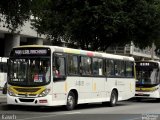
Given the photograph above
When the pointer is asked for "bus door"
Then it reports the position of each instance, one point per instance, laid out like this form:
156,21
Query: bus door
86,79
58,73
99,79
115,71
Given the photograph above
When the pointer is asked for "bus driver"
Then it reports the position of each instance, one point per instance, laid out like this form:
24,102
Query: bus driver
55,72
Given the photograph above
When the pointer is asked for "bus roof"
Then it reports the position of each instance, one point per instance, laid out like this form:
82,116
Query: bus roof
80,52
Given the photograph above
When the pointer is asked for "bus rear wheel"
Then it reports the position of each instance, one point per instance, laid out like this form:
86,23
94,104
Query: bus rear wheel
113,99
71,101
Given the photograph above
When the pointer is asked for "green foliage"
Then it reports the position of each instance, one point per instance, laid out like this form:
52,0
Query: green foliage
89,24
14,13
97,24
144,24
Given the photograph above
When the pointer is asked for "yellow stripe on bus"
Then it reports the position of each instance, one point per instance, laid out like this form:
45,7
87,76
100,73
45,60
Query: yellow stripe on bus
65,87
15,91
146,89
94,87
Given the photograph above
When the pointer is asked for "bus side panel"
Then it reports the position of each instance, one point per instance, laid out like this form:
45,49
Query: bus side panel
62,88
99,93
129,90
85,93
125,87
110,84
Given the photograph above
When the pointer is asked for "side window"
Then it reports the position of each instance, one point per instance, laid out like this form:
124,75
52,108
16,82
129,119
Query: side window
62,66
123,68
58,66
72,64
119,68
85,66
110,67
129,69
97,66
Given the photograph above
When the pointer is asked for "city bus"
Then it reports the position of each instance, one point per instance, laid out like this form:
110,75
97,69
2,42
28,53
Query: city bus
82,77
148,79
3,74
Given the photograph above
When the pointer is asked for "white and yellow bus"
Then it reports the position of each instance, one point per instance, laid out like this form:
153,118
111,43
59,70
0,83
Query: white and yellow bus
148,79
3,74
83,77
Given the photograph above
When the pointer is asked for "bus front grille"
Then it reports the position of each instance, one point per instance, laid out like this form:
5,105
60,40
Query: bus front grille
28,95
27,89
26,100
146,95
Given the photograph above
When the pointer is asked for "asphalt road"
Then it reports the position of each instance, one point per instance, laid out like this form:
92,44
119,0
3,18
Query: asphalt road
126,110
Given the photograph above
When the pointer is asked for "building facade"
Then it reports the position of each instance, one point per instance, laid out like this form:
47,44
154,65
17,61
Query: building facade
131,50
25,36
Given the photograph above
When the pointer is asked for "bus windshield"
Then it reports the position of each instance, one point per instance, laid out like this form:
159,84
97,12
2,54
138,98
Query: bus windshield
29,71
147,75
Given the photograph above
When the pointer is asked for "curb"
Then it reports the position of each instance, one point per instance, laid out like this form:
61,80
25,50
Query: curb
3,99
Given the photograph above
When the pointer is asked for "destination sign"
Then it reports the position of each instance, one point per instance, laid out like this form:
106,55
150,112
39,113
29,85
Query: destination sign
146,64
30,52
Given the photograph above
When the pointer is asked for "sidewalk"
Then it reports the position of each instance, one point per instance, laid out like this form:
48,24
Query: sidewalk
3,98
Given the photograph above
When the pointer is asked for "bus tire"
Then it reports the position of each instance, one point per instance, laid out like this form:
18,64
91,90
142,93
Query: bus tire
113,99
71,101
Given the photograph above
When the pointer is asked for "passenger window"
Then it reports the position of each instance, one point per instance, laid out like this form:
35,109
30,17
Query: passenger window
72,64
129,69
85,66
97,66
110,68
58,67
119,68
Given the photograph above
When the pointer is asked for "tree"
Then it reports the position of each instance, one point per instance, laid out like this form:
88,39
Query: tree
14,13
97,24
88,24
144,21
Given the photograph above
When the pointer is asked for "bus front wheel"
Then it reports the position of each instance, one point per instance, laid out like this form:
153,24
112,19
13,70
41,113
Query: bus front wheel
113,98
71,101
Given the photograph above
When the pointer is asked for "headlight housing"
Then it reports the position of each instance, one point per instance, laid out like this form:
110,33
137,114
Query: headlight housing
11,93
44,93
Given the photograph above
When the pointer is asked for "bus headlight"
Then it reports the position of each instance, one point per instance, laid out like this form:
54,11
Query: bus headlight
44,93
11,93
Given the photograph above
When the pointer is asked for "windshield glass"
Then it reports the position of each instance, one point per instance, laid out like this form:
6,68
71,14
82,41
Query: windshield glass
29,71
147,76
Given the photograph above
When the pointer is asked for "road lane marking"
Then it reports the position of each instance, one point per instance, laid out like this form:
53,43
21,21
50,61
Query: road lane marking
140,118
49,116
72,113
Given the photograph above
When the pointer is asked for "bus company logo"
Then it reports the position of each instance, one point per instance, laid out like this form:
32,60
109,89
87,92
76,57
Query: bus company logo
150,117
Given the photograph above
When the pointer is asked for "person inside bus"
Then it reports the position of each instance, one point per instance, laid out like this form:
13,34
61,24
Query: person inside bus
56,73
153,76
